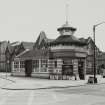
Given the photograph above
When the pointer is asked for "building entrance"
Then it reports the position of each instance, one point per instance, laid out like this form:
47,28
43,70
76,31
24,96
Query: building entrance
81,70
67,69
28,68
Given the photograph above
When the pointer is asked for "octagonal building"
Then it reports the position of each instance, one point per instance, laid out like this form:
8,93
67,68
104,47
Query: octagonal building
61,58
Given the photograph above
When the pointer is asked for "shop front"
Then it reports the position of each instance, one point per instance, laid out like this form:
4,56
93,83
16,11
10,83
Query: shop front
31,64
68,65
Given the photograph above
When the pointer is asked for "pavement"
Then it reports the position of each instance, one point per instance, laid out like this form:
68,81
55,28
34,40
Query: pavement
24,83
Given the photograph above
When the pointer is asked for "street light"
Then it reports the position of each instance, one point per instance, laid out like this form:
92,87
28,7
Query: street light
94,26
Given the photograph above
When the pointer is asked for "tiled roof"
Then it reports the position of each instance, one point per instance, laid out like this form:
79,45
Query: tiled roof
15,46
68,39
15,43
50,40
10,48
66,26
42,40
41,37
28,45
83,39
22,53
34,54
3,46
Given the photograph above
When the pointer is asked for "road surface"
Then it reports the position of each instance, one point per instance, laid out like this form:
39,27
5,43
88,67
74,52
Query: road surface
83,95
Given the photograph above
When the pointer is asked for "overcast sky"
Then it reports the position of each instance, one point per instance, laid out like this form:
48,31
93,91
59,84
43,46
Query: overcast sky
23,20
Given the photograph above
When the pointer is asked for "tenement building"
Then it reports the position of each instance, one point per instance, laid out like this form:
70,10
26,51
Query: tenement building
61,58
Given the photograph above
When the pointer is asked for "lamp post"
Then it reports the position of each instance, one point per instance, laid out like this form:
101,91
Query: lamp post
0,56
94,65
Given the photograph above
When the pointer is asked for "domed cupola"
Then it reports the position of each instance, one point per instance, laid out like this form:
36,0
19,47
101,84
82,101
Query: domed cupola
67,36
66,29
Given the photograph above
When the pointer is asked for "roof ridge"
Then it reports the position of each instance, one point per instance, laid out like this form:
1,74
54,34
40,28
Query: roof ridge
22,53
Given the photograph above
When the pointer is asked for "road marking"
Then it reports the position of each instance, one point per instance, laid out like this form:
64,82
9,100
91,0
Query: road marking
31,97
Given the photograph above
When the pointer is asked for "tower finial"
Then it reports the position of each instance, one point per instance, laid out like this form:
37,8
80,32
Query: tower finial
67,11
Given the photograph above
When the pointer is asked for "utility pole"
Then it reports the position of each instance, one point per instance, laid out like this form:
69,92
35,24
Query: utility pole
94,57
0,56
